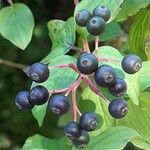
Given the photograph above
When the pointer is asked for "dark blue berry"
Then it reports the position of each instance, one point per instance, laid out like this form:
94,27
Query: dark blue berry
72,130
88,121
38,72
105,76
131,64
95,25
82,17
87,63
59,104
22,101
118,108
103,12
39,95
82,141
119,88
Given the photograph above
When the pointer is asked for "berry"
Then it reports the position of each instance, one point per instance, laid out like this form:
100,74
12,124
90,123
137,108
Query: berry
82,141
22,101
88,121
119,88
118,108
131,64
59,104
82,17
95,25
72,130
38,95
87,63
105,76
38,72
103,12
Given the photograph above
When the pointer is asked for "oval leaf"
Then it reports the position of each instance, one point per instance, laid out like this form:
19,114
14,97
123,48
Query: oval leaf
16,24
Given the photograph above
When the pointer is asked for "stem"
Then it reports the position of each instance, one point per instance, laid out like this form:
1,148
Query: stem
95,89
58,91
86,46
108,60
76,48
10,2
74,105
72,66
76,2
12,64
96,42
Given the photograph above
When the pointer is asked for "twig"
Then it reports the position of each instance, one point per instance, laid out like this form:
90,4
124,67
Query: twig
96,42
94,88
108,60
76,2
10,2
12,64
76,48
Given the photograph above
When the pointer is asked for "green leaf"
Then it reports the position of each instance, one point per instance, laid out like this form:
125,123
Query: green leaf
90,102
140,33
39,113
38,142
112,30
138,117
127,8
58,79
144,77
62,35
131,80
16,24
113,5
115,138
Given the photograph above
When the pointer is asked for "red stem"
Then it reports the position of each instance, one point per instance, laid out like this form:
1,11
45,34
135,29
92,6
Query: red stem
96,42
76,2
108,60
95,89
74,105
58,91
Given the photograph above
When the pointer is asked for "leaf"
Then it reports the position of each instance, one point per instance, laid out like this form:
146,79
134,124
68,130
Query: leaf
112,30
115,138
58,79
140,33
127,8
39,113
144,77
62,35
16,24
113,5
38,142
138,117
131,80
90,102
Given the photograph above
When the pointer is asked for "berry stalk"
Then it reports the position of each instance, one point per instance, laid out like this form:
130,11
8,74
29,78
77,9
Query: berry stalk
96,42
76,2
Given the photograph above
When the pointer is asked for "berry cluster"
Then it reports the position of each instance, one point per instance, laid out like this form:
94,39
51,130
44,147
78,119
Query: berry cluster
87,64
95,22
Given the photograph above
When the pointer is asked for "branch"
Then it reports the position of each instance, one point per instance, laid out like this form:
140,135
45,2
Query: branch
12,64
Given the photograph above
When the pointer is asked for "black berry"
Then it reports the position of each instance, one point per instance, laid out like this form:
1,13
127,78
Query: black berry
87,63
118,108
59,104
39,95
82,141
95,25
131,64
38,72
22,101
72,130
103,12
105,76
82,17
119,88
88,121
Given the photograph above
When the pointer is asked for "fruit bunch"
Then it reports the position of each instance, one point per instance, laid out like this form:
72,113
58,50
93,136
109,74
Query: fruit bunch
95,22
87,66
